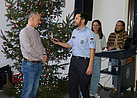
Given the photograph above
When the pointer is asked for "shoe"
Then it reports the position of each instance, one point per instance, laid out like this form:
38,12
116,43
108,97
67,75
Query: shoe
95,96
114,93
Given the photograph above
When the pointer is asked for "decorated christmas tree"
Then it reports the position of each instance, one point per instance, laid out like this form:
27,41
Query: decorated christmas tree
51,26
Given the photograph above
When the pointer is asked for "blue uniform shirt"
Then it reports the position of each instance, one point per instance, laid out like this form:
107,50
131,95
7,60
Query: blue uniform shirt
82,41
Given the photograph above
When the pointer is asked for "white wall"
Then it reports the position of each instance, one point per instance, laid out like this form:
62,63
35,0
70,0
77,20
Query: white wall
3,27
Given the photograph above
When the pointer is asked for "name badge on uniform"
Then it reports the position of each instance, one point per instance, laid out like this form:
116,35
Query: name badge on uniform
73,37
82,41
91,40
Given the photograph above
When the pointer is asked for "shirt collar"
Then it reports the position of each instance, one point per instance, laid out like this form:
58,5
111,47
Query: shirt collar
30,26
81,29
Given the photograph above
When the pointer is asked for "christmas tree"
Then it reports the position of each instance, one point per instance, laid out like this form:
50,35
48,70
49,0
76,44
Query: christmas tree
51,12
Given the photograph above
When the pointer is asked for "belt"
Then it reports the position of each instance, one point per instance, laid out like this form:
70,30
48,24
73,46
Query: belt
31,61
78,57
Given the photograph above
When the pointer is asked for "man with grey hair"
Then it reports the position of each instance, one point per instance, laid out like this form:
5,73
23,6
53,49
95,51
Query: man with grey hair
34,55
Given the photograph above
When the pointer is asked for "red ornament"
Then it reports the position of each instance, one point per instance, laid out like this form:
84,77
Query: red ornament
63,68
54,16
48,57
47,52
17,4
4,42
43,15
12,51
5,47
42,20
39,3
46,75
9,6
27,11
14,26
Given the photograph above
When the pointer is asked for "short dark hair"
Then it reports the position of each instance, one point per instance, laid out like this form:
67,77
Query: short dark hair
85,16
123,23
31,14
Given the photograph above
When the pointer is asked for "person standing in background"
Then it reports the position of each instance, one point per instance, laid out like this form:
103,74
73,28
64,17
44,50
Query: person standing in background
34,55
83,43
100,45
116,41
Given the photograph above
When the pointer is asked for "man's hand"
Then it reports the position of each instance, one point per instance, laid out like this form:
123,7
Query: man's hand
89,70
110,48
44,59
54,40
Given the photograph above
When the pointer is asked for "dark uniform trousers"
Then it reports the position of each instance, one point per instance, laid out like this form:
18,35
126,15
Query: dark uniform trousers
77,75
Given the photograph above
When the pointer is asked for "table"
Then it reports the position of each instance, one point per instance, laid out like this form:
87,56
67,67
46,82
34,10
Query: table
125,72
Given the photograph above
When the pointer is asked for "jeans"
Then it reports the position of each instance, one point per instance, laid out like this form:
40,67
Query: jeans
31,75
95,75
115,63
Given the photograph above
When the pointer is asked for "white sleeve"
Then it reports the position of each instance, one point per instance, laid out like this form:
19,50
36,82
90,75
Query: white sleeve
103,42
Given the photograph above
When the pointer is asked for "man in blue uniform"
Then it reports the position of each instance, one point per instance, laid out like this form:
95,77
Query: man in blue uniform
83,46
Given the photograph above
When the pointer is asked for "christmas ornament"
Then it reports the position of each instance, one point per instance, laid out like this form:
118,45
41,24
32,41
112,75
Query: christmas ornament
48,57
47,52
56,60
27,11
58,25
63,68
39,3
48,13
50,2
54,16
9,6
47,69
5,47
36,3
43,15
42,21
4,42
14,26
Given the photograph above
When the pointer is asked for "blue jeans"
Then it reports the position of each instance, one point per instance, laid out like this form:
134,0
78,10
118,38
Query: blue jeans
31,75
115,63
95,75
